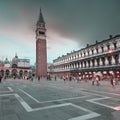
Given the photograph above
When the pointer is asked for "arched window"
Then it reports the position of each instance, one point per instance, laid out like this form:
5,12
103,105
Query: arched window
14,66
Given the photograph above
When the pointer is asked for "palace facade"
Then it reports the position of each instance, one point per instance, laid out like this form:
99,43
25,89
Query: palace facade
100,58
17,68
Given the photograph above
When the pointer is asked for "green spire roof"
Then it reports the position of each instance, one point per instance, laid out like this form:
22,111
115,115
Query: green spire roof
16,55
41,19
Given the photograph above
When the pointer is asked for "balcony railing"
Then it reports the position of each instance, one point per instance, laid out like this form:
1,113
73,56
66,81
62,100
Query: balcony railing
86,57
86,68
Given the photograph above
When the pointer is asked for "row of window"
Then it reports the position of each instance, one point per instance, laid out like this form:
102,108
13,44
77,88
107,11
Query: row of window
102,61
88,52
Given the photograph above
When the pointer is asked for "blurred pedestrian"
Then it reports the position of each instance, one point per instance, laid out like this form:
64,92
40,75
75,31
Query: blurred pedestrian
78,79
38,78
97,80
93,80
112,80
70,78
116,81
74,78
64,79
32,78
55,78
0,78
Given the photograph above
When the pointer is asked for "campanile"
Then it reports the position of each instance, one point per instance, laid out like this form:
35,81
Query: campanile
41,54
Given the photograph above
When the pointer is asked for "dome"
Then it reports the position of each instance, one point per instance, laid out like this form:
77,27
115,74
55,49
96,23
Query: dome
15,59
6,61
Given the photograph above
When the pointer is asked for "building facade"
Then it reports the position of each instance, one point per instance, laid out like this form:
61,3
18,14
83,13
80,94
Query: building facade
17,68
102,57
41,54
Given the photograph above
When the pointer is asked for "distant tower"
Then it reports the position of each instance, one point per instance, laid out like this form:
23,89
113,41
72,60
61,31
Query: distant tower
41,54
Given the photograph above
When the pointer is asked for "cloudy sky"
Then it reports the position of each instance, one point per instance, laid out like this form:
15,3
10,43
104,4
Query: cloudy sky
71,24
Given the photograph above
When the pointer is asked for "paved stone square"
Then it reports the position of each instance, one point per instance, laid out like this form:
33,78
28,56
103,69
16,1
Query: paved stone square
58,100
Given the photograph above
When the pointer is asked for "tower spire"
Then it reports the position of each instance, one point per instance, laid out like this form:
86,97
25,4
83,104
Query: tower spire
16,55
41,19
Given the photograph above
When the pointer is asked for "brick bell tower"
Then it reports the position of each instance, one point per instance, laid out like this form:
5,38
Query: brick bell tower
41,54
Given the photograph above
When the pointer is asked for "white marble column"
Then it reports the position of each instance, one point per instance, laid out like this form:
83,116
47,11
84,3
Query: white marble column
106,61
95,51
119,58
113,60
96,62
112,46
105,48
90,52
101,62
118,44
77,65
86,63
83,64
86,53
74,65
99,49
91,64
80,64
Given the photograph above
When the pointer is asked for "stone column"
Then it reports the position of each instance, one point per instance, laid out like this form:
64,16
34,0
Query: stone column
101,62
113,60
90,52
80,64
118,44
86,53
119,58
96,63
83,64
111,46
95,51
77,65
86,63
74,65
71,66
106,61
99,49
105,48
91,64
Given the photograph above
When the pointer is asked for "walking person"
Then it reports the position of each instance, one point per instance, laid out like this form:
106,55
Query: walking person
55,78
64,78
0,78
32,78
93,81
78,79
116,81
112,80
39,78
74,78
97,80
70,78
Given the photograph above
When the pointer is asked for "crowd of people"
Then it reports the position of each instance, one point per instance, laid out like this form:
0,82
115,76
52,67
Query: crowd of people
95,79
